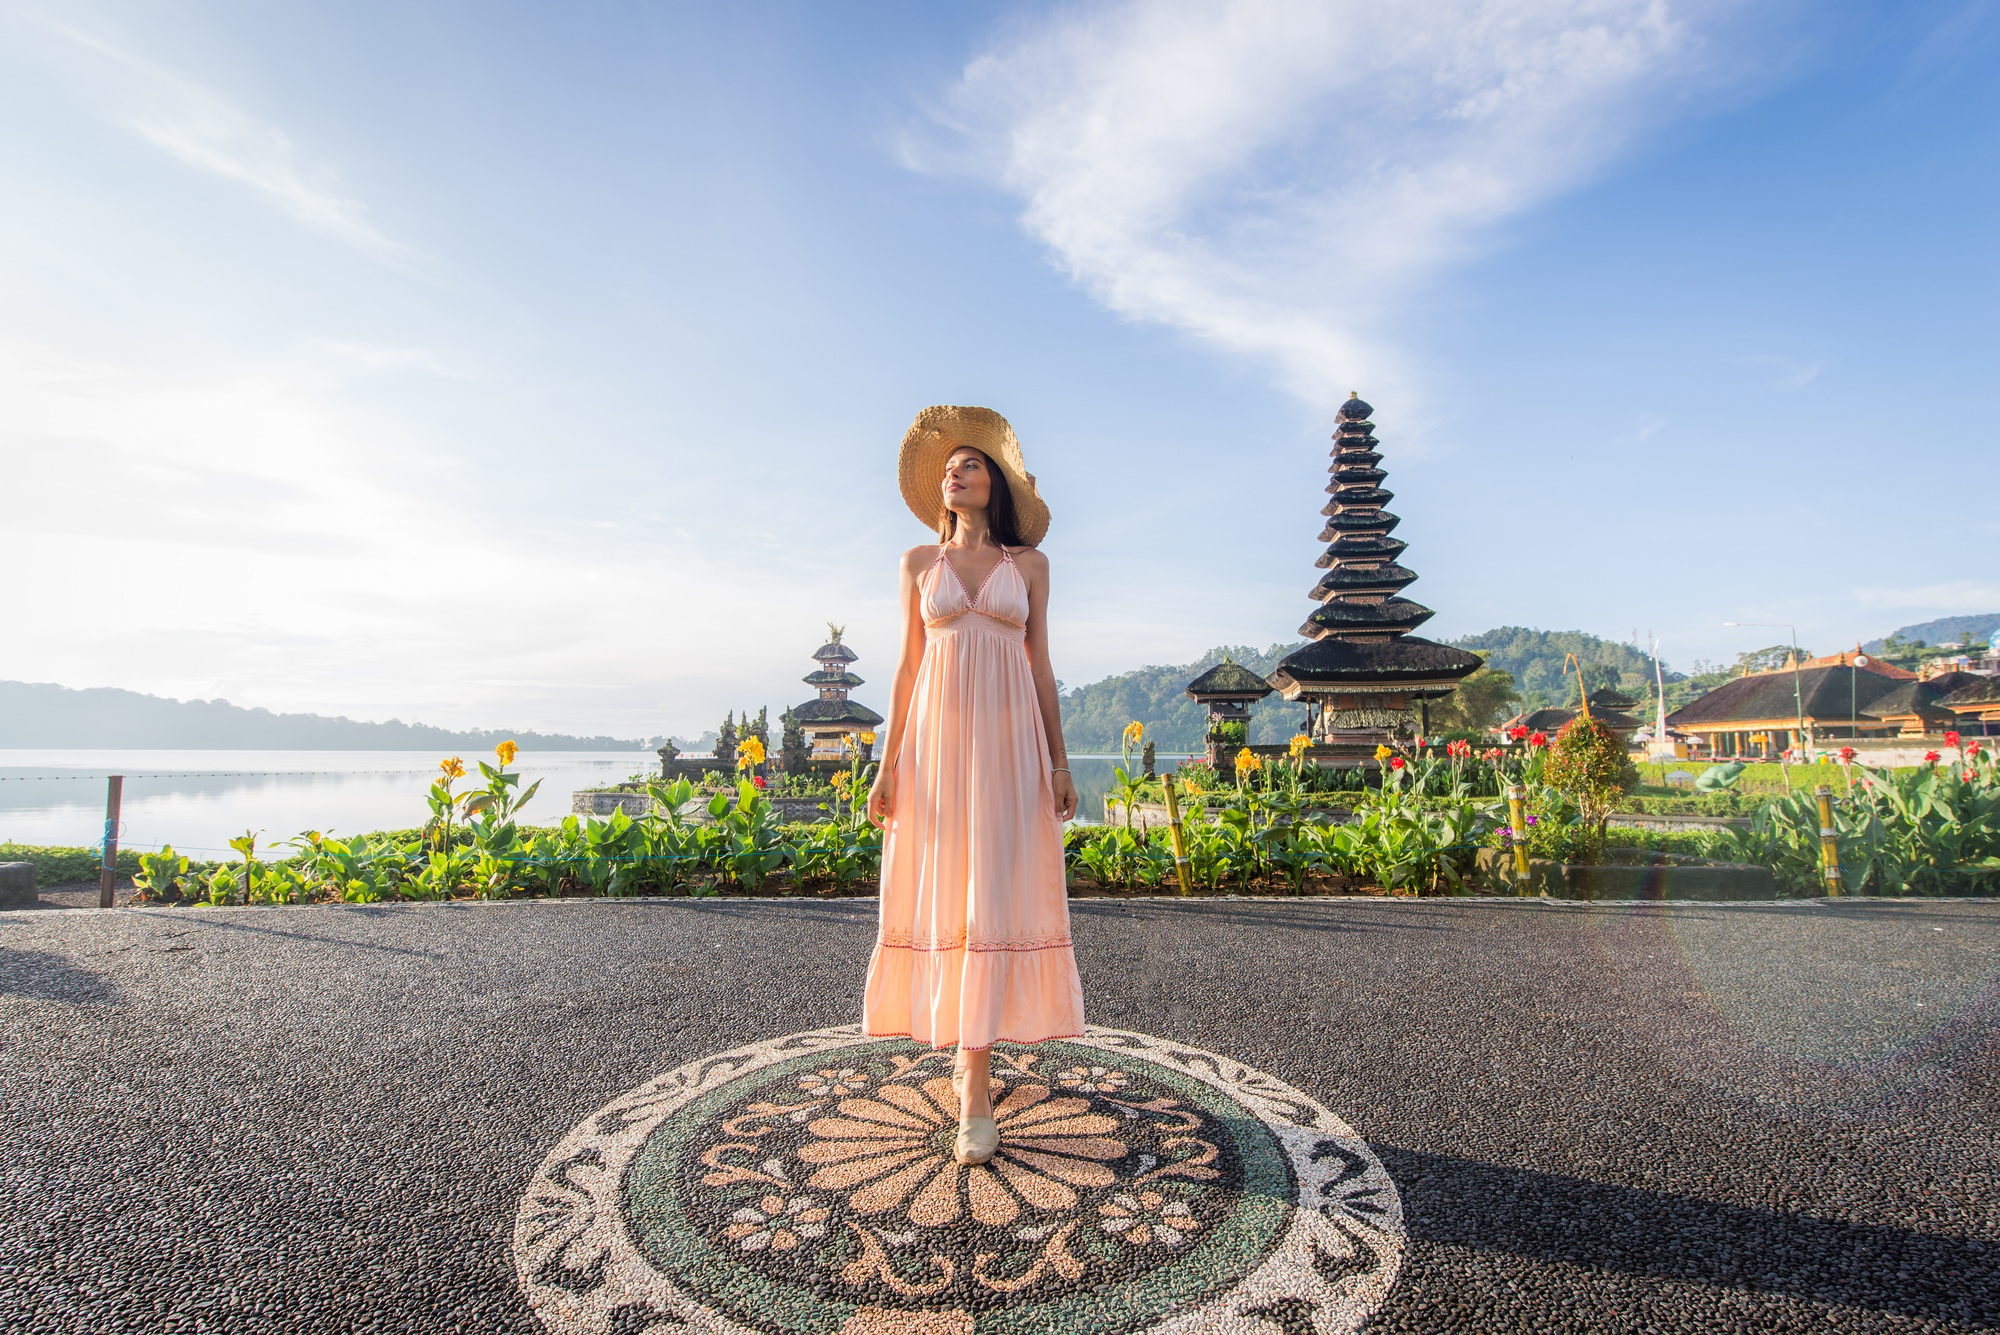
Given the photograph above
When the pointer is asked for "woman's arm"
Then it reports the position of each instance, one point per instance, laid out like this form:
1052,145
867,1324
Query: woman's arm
882,797
1036,567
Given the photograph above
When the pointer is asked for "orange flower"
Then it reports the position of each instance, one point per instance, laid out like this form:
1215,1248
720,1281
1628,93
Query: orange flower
506,751
453,767
893,1150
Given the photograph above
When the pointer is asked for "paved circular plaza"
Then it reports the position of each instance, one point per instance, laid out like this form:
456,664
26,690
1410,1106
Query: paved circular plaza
807,1184
1295,1118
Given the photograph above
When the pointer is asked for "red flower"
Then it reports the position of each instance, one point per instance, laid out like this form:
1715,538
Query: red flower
1968,776
1846,754
1932,757
759,781
1395,762
1539,739
1517,733
1951,739
1493,753
1972,748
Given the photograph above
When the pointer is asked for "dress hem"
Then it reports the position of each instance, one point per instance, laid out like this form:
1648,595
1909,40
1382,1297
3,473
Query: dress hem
976,949
983,1047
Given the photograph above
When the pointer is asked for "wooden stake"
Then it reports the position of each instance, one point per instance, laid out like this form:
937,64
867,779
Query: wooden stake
108,873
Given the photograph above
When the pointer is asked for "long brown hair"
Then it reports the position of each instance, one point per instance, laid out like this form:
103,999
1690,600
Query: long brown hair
1000,519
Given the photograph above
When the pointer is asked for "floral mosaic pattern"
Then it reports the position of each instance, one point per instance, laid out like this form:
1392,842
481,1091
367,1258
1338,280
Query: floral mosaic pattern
808,1184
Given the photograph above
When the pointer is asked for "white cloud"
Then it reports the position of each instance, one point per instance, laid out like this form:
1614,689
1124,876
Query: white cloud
202,129
1275,176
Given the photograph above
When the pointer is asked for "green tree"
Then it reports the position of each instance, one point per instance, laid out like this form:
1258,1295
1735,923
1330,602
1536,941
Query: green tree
1481,700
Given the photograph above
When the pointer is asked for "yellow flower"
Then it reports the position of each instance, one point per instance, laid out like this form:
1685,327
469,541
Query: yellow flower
506,751
1299,744
868,738
1193,788
749,752
1133,732
1248,762
840,780
1383,753
453,767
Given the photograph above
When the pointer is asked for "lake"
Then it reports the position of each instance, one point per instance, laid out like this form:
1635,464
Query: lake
198,800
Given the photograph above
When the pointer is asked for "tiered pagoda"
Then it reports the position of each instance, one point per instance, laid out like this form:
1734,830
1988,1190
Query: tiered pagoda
832,718
1364,672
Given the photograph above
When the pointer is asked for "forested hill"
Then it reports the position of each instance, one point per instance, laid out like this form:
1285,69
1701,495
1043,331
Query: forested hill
1945,630
1095,715
1535,660
42,715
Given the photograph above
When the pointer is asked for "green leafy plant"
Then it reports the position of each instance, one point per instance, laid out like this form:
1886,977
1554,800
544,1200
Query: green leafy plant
160,876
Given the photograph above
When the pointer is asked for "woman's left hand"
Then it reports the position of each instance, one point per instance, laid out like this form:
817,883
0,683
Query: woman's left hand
1065,791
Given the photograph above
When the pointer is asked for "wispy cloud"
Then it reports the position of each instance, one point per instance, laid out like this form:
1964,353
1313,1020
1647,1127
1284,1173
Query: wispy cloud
1276,176
203,129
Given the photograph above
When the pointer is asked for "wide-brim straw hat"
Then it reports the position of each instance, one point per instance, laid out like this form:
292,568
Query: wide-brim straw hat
940,430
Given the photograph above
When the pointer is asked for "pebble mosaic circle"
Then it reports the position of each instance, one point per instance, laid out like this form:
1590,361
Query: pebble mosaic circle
806,1184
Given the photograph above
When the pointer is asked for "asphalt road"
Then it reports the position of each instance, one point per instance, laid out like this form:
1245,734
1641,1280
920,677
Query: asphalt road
1663,1118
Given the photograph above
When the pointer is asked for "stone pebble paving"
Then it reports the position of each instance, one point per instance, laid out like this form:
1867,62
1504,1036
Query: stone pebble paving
1653,1118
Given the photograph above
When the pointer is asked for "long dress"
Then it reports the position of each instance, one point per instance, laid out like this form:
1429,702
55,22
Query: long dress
974,943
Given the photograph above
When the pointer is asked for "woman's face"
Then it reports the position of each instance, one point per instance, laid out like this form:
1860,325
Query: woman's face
968,481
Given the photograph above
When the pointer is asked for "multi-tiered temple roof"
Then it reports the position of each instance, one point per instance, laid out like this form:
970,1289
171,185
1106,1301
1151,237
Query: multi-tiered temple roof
831,717
1363,667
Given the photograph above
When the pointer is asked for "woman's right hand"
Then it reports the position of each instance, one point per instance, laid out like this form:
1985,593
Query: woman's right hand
882,797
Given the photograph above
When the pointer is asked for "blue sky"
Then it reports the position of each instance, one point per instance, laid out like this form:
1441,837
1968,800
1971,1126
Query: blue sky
524,366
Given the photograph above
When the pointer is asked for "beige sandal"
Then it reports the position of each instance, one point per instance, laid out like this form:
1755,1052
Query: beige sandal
978,1140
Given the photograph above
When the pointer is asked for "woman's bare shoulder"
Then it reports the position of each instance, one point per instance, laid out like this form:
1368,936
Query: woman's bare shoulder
918,559
1032,560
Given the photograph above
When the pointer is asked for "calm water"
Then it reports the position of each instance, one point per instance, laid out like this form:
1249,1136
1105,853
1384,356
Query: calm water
198,800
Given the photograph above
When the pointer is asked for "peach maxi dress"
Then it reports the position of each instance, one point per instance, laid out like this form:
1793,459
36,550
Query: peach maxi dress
974,942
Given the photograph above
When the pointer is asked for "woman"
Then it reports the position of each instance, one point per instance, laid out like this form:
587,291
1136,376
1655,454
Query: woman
973,946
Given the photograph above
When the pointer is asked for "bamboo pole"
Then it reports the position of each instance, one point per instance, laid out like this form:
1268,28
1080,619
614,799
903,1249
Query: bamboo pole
1829,843
1517,813
1175,832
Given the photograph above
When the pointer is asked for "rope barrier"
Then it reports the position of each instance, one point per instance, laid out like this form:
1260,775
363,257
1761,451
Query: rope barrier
209,774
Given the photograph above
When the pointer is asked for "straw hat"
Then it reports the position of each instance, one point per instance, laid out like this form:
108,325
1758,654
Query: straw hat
940,430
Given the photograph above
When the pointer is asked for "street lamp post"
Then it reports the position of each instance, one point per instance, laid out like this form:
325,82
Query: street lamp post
1798,696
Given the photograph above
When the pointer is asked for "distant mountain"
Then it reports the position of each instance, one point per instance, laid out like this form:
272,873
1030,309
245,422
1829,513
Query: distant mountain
1535,659
37,714
1945,630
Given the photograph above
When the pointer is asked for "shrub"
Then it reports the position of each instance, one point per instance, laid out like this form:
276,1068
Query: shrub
1589,765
